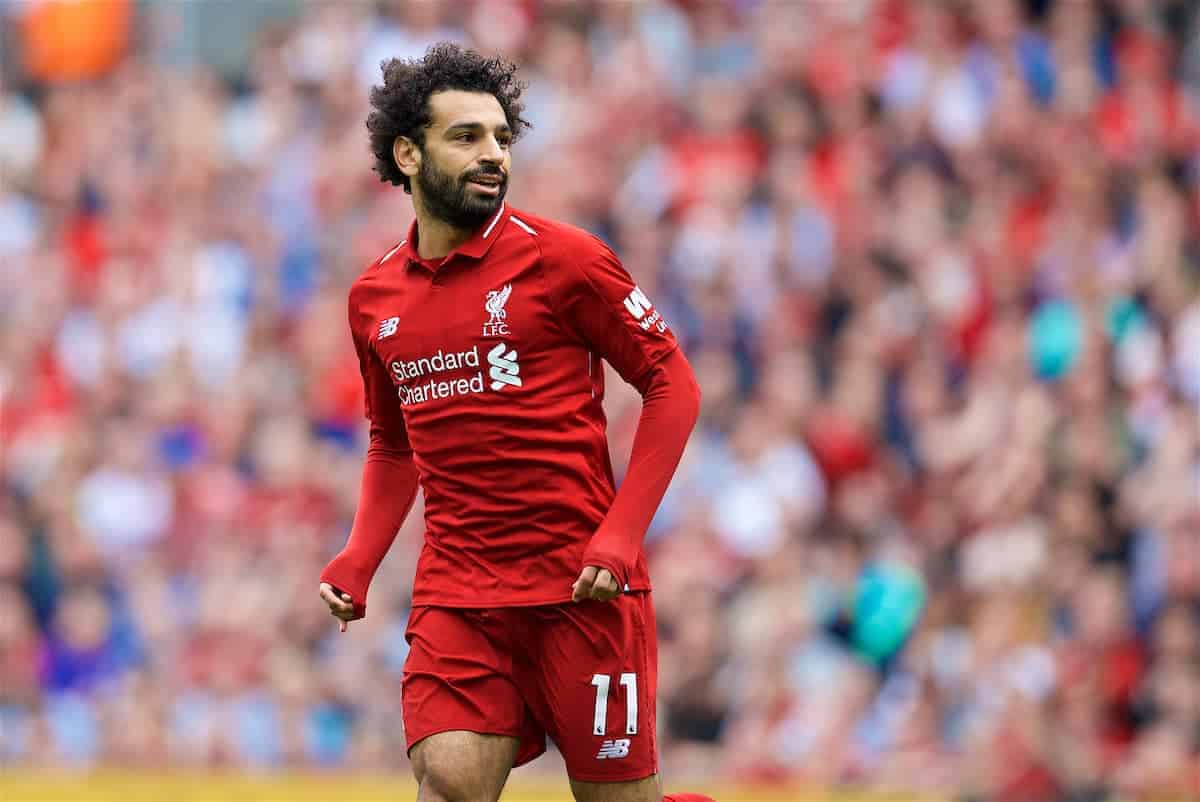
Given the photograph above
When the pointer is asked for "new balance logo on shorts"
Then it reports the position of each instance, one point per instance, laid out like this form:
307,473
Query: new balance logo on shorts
614,749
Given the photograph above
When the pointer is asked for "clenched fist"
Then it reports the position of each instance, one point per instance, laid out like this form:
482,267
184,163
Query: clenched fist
595,583
340,605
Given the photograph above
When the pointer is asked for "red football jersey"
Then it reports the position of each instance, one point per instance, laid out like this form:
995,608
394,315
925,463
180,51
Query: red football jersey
489,365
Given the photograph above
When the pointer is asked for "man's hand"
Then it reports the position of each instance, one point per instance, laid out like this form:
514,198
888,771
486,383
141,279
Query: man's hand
341,609
595,583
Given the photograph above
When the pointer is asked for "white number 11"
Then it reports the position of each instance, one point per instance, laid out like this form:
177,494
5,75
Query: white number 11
602,682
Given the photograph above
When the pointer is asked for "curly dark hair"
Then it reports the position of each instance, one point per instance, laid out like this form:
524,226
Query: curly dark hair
400,105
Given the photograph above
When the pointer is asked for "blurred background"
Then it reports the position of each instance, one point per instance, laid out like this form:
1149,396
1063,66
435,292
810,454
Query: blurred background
936,264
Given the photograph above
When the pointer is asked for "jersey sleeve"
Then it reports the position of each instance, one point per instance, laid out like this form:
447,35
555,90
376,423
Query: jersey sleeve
389,479
669,411
601,303
381,404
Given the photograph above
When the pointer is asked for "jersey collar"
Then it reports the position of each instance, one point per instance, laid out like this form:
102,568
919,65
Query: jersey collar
476,247
479,244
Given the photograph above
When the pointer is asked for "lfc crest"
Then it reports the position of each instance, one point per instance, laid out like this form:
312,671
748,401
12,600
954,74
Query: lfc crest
494,305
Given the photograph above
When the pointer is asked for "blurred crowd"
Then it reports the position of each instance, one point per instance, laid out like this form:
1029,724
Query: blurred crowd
935,263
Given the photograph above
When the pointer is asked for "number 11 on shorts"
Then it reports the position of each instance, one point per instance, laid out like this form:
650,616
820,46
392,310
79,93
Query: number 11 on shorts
600,722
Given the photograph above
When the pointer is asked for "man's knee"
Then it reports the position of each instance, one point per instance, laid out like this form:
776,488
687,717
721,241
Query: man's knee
645,790
441,783
462,766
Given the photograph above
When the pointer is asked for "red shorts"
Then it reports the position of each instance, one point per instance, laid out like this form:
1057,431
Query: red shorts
583,674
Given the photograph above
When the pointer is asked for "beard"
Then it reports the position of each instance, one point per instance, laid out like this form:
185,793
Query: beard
451,200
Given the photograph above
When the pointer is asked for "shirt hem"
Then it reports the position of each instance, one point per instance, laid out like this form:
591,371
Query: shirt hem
480,604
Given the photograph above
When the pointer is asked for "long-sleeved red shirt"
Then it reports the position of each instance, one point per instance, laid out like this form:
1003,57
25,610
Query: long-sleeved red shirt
483,382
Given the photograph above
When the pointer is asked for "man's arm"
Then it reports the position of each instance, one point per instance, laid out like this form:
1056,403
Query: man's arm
612,315
670,406
388,488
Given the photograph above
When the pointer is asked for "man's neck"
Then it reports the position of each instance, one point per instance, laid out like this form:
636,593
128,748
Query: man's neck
435,237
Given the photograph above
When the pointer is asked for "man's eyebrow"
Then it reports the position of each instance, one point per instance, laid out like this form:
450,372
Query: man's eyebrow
476,126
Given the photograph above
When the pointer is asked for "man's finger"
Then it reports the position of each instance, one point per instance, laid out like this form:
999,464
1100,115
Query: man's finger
603,581
582,589
605,587
331,598
343,621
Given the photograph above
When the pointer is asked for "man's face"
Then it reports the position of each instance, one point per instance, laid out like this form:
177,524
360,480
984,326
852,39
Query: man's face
463,170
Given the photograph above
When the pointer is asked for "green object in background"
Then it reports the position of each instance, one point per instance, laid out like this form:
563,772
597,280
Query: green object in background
889,601
1055,339
1124,315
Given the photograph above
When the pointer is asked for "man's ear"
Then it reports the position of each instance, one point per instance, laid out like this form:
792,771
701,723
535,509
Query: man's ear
407,155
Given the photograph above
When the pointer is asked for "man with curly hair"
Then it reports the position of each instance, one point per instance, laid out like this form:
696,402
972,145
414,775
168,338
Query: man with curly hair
480,338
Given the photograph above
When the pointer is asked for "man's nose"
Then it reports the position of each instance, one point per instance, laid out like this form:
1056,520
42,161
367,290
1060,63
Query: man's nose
492,152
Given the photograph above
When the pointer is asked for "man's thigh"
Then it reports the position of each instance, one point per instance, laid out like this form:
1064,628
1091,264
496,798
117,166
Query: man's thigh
591,683
459,677
460,766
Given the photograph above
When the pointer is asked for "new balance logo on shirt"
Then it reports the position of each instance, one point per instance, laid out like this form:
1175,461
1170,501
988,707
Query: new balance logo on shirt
387,327
614,749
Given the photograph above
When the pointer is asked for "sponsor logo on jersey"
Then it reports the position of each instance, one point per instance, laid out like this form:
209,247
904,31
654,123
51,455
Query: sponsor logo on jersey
438,362
494,306
638,304
387,327
418,380
505,370
643,311
407,371
614,749
436,389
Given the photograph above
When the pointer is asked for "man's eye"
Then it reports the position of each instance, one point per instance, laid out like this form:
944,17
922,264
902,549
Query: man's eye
464,137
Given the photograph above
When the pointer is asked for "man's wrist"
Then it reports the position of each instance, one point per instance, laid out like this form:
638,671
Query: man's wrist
611,562
348,576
